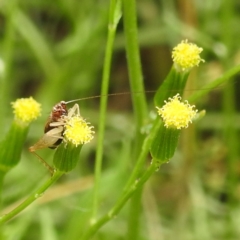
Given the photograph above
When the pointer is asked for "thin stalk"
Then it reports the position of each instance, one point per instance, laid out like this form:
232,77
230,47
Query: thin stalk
119,205
230,134
143,154
134,62
139,101
218,81
36,42
6,61
40,191
114,16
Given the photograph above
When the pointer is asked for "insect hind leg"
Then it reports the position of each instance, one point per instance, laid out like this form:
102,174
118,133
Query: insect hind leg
45,164
75,110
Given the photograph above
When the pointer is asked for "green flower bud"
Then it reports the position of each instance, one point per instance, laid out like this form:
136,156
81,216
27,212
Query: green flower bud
66,157
11,147
175,115
25,110
185,56
164,143
76,133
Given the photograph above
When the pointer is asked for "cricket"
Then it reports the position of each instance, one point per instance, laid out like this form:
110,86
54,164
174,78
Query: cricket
54,128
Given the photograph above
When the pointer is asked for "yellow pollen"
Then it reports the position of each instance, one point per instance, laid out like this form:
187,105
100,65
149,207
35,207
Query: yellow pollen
78,131
26,109
186,55
176,114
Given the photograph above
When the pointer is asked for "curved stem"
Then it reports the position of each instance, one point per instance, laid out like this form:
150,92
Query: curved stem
114,16
209,87
121,202
143,154
139,100
134,62
31,198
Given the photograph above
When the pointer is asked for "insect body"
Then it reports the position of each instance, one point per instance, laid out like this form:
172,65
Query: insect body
54,128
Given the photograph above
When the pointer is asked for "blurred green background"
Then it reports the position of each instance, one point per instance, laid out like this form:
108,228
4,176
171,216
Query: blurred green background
54,50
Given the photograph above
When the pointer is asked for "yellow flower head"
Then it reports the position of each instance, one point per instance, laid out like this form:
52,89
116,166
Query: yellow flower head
176,114
26,109
78,131
186,55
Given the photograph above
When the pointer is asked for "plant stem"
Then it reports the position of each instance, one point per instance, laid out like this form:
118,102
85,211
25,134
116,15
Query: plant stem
114,16
6,61
119,205
31,198
144,152
218,81
139,100
230,134
134,62
131,185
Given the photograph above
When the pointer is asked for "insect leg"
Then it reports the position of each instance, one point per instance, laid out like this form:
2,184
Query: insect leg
75,110
45,164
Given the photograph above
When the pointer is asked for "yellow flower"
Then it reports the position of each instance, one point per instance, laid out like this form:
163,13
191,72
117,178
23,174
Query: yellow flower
26,109
176,114
78,131
186,56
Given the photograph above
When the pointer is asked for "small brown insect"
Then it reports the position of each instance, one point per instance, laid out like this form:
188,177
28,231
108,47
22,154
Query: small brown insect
54,128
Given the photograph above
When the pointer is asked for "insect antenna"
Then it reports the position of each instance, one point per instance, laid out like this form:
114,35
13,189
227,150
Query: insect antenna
109,95
140,92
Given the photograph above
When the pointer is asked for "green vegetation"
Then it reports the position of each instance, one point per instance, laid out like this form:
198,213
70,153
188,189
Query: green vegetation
66,50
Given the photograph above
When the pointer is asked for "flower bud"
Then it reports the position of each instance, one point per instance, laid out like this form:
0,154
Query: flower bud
175,115
25,110
76,133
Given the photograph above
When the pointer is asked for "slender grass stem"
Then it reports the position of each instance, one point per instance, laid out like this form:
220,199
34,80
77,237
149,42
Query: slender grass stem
119,205
134,62
114,16
31,198
139,100
143,154
6,62
209,87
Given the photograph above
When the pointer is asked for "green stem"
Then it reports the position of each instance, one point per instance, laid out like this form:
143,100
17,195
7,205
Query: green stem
119,205
2,176
135,209
230,135
36,42
209,87
139,100
31,198
132,183
114,16
144,152
134,62
7,55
